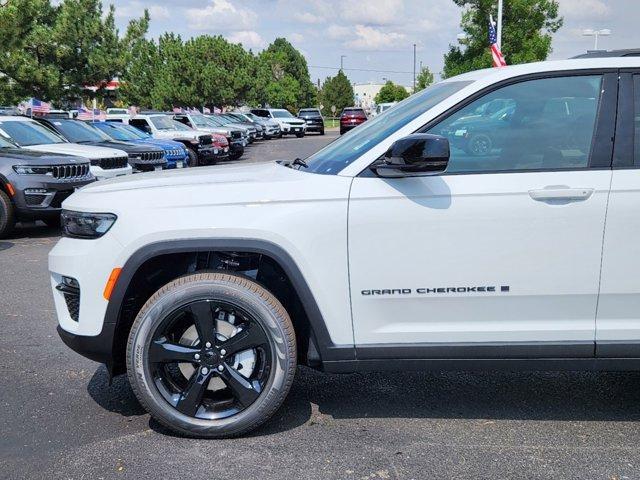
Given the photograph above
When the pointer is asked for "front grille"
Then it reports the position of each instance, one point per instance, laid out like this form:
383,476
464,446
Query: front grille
175,152
110,163
70,171
205,139
236,135
60,197
147,157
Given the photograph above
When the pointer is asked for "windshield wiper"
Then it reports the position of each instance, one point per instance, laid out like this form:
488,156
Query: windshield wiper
300,163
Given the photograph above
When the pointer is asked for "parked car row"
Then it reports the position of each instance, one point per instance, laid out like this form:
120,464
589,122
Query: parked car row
45,159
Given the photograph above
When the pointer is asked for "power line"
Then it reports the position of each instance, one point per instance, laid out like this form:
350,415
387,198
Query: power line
359,69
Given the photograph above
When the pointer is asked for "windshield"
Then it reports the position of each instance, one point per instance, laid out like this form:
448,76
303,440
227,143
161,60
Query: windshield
200,121
163,122
309,113
232,118
216,121
117,132
346,149
281,114
132,130
26,133
79,132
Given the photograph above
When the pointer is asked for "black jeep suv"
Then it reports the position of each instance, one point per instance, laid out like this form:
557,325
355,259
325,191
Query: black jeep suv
313,117
142,158
34,184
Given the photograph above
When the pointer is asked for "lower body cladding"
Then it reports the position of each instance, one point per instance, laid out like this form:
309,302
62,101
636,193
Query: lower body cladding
148,166
177,162
43,200
315,127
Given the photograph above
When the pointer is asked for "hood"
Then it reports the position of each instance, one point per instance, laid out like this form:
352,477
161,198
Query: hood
164,144
87,151
21,156
129,147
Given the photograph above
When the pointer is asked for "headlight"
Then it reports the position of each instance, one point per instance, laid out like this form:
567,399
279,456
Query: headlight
29,170
86,225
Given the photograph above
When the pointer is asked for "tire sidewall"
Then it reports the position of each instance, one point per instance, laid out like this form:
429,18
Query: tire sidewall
150,318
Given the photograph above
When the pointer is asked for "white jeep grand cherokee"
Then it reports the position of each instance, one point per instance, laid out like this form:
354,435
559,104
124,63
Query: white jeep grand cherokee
488,221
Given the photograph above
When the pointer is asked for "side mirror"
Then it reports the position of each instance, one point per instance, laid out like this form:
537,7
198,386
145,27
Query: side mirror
414,155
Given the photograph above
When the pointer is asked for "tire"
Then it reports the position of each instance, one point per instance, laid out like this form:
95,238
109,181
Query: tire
7,215
342,131
299,135
275,357
235,155
193,158
53,222
322,132
280,135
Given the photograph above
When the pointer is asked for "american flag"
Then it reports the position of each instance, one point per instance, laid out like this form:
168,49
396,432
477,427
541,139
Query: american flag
177,110
205,110
216,110
496,54
38,106
84,114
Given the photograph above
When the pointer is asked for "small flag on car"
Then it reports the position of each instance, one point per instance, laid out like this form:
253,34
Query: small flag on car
177,110
84,114
38,106
496,54
205,110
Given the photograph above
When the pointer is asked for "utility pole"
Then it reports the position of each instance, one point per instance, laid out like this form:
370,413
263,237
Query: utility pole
414,67
499,31
342,57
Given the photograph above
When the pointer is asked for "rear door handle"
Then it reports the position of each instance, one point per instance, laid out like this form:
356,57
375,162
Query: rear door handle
566,194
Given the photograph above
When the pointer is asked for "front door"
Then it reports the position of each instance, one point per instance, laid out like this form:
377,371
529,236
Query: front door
499,256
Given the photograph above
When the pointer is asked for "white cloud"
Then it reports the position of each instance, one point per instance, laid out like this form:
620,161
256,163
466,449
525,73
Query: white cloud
584,9
221,15
337,32
308,17
248,39
373,12
370,38
158,12
296,37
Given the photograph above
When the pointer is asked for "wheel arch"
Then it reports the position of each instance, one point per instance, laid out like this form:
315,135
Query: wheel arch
320,347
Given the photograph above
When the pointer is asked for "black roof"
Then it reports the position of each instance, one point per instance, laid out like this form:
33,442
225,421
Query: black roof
628,52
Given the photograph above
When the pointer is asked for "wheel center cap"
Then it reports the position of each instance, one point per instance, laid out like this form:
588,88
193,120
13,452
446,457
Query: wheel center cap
210,357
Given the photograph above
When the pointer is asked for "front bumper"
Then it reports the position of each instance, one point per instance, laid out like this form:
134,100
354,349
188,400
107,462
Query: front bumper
294,129
98,348
40,198
315,126
104,173
207,153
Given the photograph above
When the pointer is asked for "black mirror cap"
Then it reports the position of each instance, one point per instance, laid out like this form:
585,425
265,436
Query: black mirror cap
421,153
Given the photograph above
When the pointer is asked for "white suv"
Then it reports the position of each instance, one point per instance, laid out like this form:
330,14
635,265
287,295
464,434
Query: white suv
487,221
288,123
105,162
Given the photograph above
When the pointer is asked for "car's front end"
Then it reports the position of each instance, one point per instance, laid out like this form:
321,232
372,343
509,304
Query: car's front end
313,119
40,182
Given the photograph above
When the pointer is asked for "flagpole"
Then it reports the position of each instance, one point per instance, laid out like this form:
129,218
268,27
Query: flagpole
499,31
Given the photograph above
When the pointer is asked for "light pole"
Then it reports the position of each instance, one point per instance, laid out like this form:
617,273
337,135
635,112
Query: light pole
499,31
589,32
342,57
414,67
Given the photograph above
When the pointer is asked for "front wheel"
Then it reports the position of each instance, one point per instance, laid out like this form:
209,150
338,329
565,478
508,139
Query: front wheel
211,355
193,158
299,135
7,215
322,132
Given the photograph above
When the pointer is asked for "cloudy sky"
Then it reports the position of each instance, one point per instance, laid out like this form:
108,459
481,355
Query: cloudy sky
376,36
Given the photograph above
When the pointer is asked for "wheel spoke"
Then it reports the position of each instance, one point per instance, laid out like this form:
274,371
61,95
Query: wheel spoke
242,389
163,351
191,398
251,337
202,314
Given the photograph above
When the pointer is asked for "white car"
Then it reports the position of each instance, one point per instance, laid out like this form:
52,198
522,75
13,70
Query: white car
199,143
391,248
29,134
288,123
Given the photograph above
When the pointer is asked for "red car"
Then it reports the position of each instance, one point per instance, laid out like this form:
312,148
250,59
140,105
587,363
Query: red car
351,117
222,144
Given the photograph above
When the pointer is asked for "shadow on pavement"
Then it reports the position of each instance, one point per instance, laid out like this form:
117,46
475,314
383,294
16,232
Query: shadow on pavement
565,396
34,230
5,246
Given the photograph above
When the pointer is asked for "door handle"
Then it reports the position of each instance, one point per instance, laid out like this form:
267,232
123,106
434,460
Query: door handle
563,194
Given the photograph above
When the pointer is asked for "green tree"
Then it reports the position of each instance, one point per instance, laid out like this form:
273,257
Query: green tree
140,63
391,92
51,51
281,62
336,91
527,26
424,79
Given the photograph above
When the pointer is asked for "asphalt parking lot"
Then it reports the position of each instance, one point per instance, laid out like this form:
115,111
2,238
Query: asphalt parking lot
60,419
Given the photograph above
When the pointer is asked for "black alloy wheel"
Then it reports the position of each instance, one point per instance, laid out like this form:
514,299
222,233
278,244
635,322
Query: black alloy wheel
211,356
